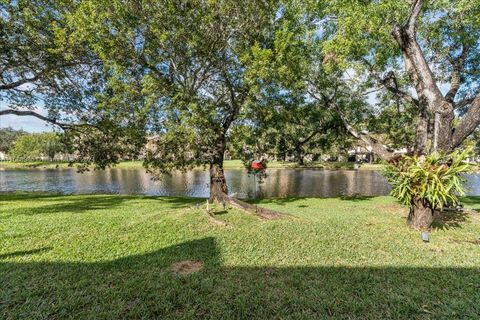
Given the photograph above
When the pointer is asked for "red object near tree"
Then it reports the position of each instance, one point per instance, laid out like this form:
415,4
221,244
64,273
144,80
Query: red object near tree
257,165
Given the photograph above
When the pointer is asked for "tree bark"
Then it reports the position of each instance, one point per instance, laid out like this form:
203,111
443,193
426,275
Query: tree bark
218,184
420,216
424,81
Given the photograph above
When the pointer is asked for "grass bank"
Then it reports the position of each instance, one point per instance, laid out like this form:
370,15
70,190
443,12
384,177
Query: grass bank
104,256
228,164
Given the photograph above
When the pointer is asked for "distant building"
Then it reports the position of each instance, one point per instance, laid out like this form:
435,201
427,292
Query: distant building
361,153
3,156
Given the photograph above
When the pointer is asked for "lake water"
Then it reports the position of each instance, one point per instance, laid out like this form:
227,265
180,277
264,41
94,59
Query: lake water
279,182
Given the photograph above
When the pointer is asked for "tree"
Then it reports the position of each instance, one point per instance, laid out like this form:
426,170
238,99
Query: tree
36,145
8,138
415,47
50,145
62,82
193,60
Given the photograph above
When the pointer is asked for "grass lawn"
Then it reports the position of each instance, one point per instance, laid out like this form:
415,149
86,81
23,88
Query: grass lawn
105,256
228,164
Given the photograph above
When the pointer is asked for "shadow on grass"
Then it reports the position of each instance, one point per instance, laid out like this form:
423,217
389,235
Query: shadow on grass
15,196
287,200
81,204
446,220
144,286
24,253
356,198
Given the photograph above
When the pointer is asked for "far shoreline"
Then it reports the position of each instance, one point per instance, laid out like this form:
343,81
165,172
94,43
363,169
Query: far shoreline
228,164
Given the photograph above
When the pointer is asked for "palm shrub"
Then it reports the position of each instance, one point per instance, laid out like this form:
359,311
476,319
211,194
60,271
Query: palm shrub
428,183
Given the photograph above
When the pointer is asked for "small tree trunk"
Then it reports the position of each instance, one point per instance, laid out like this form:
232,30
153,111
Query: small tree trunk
300,161
299,158
421,215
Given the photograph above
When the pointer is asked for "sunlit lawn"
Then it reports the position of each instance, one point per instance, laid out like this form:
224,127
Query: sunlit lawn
111,257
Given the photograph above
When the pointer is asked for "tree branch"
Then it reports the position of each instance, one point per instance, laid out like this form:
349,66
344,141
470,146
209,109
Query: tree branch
36,115
458,66
385,82
463,103
414,13
470,122
377,148
416,64
395,90
18,83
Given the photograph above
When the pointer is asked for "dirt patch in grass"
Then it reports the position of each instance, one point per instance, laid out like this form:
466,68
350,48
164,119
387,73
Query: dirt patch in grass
186,267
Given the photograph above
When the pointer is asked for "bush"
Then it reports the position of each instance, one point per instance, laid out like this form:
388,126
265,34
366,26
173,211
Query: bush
435,178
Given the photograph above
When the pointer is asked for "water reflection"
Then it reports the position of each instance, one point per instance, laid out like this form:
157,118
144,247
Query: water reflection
279,183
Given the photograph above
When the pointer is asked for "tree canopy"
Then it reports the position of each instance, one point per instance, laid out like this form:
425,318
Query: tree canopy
34,146
8,136
47,75
424,53
192,62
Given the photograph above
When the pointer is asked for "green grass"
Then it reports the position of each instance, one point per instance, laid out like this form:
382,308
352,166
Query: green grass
105,256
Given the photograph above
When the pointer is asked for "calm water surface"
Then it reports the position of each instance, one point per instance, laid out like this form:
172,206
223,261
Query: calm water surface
279,183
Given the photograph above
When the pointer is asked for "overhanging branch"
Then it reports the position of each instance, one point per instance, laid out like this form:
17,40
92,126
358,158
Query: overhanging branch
62,125
377,148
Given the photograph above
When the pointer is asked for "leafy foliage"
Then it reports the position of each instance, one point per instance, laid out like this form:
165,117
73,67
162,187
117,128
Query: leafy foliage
8,136
33,146
435,178
48,74
192,62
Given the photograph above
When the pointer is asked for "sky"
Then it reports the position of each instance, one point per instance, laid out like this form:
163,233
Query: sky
29,124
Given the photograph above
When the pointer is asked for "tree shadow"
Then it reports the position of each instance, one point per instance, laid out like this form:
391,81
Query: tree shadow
82,204
144,286
356,198
24,252
451,219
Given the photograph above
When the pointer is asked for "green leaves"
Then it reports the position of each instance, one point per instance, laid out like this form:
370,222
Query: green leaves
435,178
33,146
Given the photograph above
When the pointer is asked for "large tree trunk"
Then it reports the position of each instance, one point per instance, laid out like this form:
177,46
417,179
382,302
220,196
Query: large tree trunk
218,184
421,215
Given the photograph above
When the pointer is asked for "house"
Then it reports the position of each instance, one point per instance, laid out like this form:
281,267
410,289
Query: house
3,156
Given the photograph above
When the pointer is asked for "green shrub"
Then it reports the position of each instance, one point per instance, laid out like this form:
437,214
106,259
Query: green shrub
436,178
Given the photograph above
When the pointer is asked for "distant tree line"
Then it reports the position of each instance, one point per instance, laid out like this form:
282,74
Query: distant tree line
23,146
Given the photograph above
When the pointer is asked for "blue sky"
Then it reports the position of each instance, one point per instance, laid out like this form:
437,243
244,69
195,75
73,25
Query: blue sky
29,124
